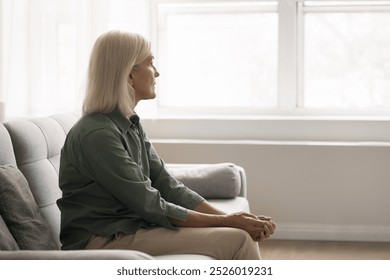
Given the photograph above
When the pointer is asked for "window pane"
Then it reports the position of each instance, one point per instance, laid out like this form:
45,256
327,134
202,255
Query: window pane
347,60
218,60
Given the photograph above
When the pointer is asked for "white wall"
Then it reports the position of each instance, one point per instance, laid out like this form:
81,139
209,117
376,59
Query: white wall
313,191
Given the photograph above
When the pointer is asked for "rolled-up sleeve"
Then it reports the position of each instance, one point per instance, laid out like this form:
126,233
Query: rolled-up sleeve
104,157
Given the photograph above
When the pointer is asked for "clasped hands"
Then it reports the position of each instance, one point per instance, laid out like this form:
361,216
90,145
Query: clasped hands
259,227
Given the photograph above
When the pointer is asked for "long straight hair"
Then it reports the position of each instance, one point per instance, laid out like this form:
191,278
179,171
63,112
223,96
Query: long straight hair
112,58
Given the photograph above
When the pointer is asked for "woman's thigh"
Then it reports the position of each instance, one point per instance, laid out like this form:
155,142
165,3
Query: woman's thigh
217,242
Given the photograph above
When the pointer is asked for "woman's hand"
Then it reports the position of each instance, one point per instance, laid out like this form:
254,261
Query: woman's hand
259,227
205,215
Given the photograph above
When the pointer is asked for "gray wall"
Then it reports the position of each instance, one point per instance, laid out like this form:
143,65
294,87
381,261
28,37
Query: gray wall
322,191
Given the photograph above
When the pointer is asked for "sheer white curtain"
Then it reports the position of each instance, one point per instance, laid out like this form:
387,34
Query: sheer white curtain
46,46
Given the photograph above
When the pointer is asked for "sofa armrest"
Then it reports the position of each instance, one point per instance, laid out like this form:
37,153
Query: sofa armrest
243,190
74,255
221,180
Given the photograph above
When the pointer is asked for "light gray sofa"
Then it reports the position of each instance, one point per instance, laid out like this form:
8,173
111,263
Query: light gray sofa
29,217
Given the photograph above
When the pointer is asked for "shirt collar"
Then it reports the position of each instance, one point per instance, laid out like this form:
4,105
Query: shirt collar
134,119
122,122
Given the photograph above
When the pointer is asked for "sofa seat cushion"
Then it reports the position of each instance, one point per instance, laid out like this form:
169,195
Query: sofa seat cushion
21,214
232,205
220,180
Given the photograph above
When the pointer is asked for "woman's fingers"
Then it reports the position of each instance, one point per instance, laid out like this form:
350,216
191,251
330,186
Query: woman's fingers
259,227
262,236
265,218
267,231
271,227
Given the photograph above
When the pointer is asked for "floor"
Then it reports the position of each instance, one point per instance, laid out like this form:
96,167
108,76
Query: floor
323,250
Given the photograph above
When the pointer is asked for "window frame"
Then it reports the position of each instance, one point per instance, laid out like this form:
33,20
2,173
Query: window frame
202,111
290,78
354,7
288,122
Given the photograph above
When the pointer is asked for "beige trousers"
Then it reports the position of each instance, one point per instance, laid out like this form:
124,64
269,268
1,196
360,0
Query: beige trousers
222,243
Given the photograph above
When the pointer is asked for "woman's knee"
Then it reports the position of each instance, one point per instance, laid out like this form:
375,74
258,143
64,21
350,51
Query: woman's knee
237,238
245,247
239,235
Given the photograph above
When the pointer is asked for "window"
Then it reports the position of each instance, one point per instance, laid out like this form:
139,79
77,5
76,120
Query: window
281,70
217,55
261,57
346,57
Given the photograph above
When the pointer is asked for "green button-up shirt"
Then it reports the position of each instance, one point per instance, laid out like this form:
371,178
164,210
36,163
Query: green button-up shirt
112,180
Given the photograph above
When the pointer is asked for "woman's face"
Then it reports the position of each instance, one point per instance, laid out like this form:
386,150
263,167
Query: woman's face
143,79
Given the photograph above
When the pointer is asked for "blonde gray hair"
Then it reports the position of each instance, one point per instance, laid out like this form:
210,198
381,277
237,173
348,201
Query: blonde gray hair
113,57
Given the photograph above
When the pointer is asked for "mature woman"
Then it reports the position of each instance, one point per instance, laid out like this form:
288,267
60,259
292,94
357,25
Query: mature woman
117,193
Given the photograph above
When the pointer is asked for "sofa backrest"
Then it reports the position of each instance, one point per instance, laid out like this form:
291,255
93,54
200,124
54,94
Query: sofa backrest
7,156
36,147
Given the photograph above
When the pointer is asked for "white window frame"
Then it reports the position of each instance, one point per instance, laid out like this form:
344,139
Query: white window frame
289,122
181,6
301,10
290,58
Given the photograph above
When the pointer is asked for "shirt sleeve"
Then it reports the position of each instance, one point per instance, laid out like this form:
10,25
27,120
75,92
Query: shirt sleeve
104,158
171,189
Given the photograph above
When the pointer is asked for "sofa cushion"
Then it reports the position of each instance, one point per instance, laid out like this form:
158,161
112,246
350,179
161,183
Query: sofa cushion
7,241
21,213
210,181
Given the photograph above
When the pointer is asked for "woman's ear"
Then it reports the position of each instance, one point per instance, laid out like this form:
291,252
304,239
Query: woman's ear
130,79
